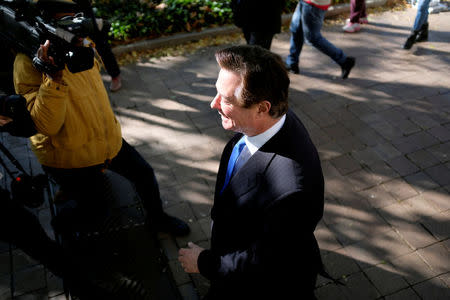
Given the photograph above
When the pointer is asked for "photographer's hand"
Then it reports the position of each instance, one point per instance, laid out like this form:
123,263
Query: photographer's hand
42,54
4,120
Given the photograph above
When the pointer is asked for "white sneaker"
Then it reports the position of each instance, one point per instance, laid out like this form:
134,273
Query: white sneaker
351,27
116,84
363,21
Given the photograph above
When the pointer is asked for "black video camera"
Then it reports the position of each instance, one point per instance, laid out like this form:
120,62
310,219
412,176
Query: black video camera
26,24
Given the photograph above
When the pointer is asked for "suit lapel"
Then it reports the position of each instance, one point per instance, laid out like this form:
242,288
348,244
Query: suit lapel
224,163
250,175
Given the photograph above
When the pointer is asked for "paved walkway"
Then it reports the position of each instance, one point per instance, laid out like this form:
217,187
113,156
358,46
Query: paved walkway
383,136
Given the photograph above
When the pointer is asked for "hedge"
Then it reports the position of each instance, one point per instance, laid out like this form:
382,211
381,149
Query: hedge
137,19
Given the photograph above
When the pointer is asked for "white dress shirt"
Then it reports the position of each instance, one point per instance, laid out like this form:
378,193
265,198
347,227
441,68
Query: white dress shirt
255,142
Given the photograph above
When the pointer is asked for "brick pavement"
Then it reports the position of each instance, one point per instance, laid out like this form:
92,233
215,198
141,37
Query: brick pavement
383,137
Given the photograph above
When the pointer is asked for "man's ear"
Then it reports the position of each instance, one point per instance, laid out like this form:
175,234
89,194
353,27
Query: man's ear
264,106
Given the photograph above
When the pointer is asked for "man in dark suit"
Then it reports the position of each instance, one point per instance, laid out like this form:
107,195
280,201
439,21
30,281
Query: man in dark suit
267,207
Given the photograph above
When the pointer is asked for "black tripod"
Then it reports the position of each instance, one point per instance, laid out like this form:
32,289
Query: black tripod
26,189
26,192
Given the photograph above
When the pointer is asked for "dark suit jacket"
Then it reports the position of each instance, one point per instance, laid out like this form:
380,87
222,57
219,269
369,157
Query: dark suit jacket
263,223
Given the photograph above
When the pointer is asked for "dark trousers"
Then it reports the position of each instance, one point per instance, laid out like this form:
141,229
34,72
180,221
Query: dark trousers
357,10
86,184
303,287
263,39
105,51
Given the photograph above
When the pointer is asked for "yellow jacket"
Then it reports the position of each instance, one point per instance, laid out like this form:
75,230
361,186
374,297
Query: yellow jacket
75,122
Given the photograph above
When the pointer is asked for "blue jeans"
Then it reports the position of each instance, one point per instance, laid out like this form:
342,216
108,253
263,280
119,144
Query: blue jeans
422,14
306,24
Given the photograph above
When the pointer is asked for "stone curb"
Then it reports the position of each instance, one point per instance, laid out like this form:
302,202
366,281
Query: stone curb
181,38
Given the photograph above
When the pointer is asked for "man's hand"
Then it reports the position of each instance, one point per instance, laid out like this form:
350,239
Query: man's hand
188,257
42,54
4,120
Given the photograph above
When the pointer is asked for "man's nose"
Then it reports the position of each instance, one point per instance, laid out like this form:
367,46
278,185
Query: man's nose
215,103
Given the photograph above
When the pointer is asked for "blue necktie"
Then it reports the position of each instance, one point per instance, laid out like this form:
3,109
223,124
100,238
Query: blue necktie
241,160
234,155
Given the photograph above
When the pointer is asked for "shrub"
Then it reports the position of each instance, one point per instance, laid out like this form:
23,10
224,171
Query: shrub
140,18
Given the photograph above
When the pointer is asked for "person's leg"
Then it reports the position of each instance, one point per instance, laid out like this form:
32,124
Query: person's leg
312,19
420,24
131,165
357,16
109,60
362,10
296,39
355,10
86,201
247,35
423,33
104,49
262,39
422,14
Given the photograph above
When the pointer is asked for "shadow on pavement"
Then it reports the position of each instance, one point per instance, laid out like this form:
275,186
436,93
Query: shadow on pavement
120,252
382,136
369,131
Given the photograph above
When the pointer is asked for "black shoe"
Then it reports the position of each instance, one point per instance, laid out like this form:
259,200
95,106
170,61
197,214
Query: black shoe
114,286
347,66
119,286
172,225
410,41
92,278
294,69
423,33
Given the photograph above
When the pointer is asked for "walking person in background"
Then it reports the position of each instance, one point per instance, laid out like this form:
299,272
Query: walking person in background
357,16
260,20
109,60
306,24
419,32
